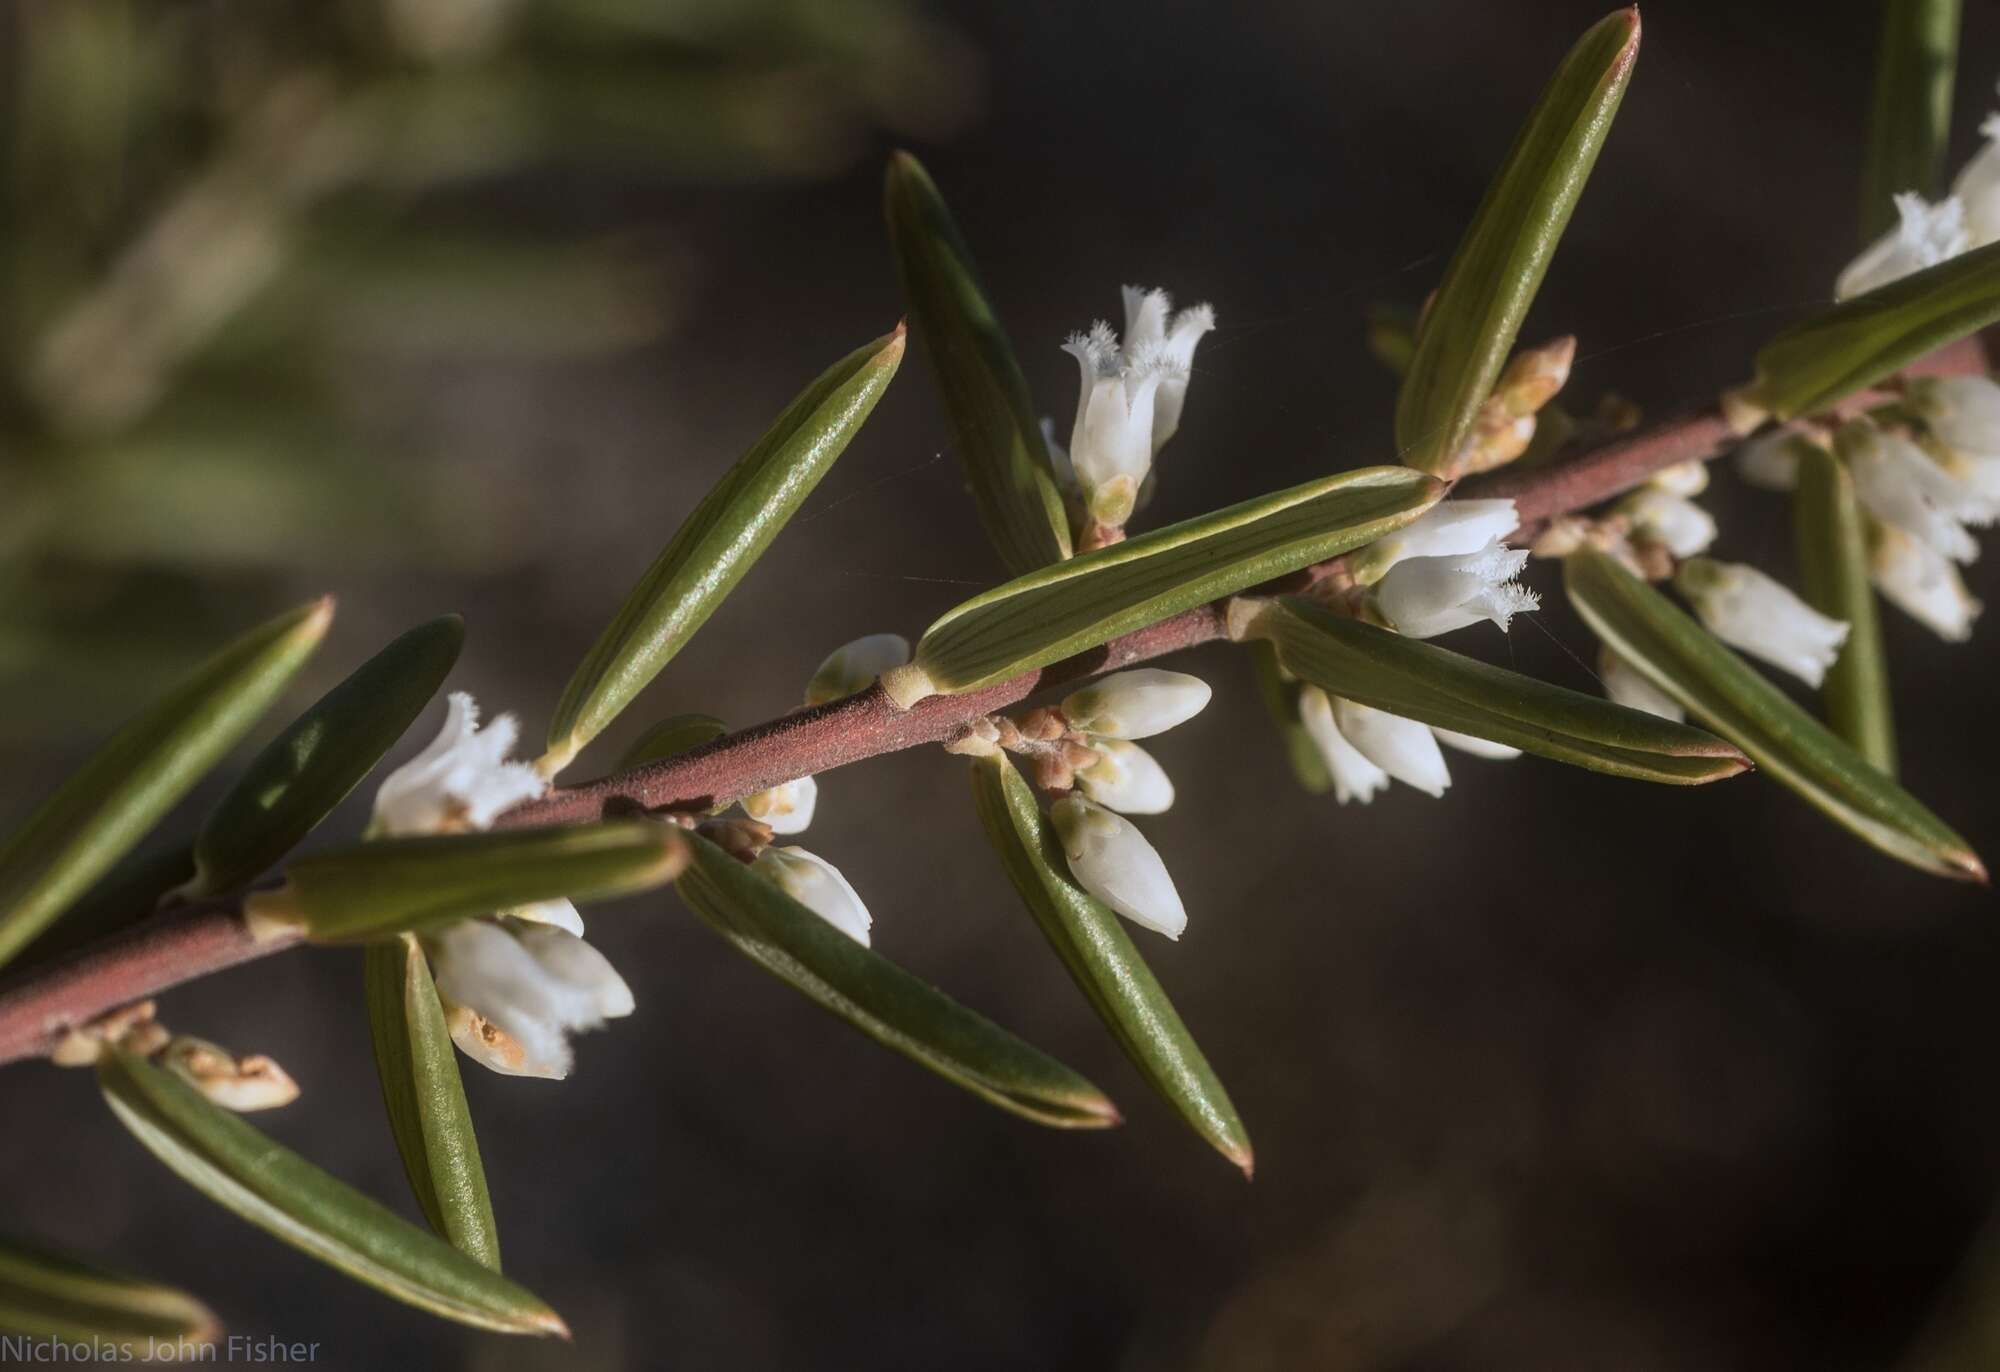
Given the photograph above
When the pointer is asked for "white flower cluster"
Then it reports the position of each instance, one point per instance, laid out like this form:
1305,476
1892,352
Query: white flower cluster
1107,854
1364,748
1448,570
1130,402
1926,233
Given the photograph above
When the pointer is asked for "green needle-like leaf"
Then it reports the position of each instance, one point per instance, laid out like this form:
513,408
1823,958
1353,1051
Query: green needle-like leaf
992,417
309,768
1493,277
1092,943
395,885
97,816
882,1000
1833,573
1422,681
1281,702
671,737
721,540
1910,122
1855,344
1684,660
1047,615
253,1175
421,1090
54,1296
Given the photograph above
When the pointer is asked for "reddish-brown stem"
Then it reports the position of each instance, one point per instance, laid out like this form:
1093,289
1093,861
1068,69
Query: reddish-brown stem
180,945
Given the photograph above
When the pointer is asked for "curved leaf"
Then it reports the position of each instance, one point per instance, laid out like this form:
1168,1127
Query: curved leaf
304,772
421,1090
396,885
51,1295
1492,279
1833,574
1910,122
992,416
1421,681
1092,943
101,812
1047,615
1684,660
719,543
882,1000
252,1175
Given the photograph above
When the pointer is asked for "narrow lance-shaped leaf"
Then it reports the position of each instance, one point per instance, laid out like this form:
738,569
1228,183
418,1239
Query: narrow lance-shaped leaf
1281,702
1047,615
394,885
54,1296
992,417
1910,121
1833,573
1861,341
882,1000
1093,945
1420,680
304,772
254,1176
1492,278
425,1099
719,543
100,813
1680,657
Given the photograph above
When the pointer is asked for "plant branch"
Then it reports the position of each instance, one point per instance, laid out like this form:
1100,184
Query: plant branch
181,945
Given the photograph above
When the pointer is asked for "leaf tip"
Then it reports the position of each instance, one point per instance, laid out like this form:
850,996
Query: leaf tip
546,1323
1966,866
1246,1161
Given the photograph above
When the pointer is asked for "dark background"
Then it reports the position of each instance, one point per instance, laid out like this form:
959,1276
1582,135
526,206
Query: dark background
1558,1072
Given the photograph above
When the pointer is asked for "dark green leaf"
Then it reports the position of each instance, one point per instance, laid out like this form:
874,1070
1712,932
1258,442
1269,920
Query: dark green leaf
882,1000
394,885
1047,615
1833,573
1092,943
309,768
97,816
721,540
1281,702
1421,681
992,417
1681,658
1493,277
252,1175
1910,123
51,1295
425,1099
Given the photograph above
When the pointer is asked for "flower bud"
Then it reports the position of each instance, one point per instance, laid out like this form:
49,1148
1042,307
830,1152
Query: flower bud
1925,235
1453,528
1771,461
1111,859
1405,749
1354,776
1136,704
1679,525
817,884
1684,479
1126,778
855,666
1625,685
1748,610
1427,596
1922,584
787,808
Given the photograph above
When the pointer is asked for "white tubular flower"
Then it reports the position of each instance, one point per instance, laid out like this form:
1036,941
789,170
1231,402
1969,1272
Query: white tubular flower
1477,747
1922,584
855,666
1625,685
1771,461
512,999
1111,859
1926,235
1964,411
1354,776
1451,529
1126,778
817,884
462,781
1153,330
1747,609
787,808
1899,484
557,914
1679,525
1405,749
1111,446
1427,596
1978,187
1136,704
